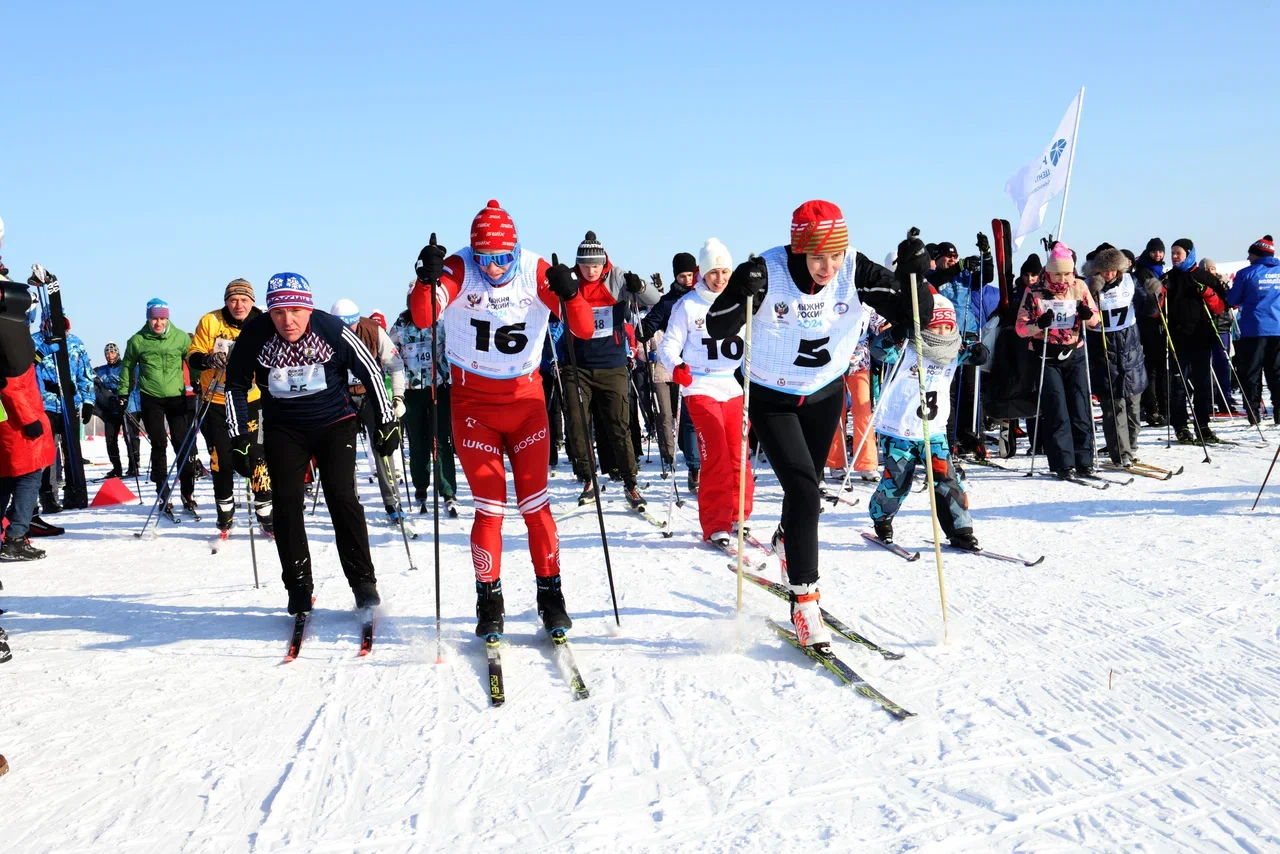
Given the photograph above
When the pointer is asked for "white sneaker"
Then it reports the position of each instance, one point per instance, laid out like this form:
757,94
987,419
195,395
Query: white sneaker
870,476
719,538
806,616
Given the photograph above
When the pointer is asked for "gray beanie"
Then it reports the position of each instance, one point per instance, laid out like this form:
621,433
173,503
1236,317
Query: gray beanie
590,251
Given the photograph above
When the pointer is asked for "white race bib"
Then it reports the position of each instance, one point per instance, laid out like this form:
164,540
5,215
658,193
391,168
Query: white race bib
1117,305
1064,312
901,412
706,356
603,321
497,331
297,381
417,355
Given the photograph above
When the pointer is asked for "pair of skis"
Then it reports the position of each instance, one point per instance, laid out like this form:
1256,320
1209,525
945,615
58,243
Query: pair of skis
561,654
911,556
301,621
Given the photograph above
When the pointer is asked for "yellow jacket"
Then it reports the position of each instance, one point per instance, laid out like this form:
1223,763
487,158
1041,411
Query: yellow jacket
216,332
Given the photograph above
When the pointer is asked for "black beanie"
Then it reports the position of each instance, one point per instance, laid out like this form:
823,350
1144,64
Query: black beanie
1155,244
932,249
1264,247
1031,266
684,262
1186,245
1129,254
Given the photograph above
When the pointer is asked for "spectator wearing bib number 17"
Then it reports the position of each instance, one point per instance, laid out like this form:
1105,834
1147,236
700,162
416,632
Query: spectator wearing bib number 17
1051,315
1115,352
211,345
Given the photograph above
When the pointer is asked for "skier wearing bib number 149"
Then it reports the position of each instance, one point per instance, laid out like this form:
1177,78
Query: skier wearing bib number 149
495,299
808,317
300,359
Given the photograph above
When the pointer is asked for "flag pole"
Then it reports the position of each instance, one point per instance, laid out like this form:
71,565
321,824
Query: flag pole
1071,161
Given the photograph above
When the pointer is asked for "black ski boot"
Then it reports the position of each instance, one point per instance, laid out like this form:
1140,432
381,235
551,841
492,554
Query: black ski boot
1210,437
1185,437
115,472
49,502
19,548
5,653
635,499
551,605
884,530
41,528
695,476
226,515
588,494
963,538
300,601
489,608
1066,474
366,596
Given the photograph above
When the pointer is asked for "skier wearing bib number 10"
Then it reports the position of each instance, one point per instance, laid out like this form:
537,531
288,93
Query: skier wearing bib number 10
495,299
300,359
807,318
704,368
901,428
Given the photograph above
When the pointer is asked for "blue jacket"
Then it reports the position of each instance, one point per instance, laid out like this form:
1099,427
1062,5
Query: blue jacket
555,338
973,302
106,380
47,372
1256,291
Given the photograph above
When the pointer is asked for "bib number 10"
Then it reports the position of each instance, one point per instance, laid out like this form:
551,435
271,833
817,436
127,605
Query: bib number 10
731,348
508,339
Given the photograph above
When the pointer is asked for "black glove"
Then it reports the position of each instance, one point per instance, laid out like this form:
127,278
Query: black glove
246,454
562,280
388,439
634,283
34,430
979,355
973,263
86,412
1046,319
913,257
656,278
749,278
124,403
1083,311
984,245
430,265
215,360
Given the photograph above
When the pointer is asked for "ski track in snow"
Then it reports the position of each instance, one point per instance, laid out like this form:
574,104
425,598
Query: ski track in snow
147,707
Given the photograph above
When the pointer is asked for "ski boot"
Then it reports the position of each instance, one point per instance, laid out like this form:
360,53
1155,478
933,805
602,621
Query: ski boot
116,471
806,616
884,530
421,501
963,538
588,494
19,548
5,655
1066,474
41,528
394,515
778,544
49,502
267,525
1210,437
299,601
720,539
1127,461
226,515
1085,470
695,475
132,471
551,605
1185,437
366,594
189,503
451,507
634,498
489,608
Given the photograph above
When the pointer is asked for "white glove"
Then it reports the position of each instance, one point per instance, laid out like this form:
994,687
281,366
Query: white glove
397,406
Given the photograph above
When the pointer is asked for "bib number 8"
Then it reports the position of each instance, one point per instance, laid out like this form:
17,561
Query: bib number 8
931,399
730,347
813,353
508,339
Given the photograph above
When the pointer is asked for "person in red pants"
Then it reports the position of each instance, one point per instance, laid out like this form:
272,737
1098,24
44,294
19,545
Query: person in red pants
703,366
495,299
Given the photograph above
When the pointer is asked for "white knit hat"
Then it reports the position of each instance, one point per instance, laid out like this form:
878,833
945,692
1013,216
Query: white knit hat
713,254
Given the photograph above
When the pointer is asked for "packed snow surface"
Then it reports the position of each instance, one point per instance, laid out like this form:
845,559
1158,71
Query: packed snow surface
1123,695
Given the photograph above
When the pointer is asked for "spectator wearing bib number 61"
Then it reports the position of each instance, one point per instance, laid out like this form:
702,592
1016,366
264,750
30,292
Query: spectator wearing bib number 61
1051,315
1115,352
211,346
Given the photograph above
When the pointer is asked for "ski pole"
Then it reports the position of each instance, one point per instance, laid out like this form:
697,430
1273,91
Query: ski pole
253,517
742,463
404,535
1088,384
1248,407
928,454
591,454
1035,434
871,425
315,488
1186,390
137,480
434,462
1265,479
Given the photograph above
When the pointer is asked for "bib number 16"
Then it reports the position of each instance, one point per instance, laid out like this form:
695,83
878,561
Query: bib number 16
508,339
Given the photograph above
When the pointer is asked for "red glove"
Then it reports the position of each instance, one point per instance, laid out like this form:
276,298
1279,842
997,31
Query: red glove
682,375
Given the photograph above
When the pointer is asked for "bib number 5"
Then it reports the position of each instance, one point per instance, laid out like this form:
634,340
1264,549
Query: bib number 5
813,353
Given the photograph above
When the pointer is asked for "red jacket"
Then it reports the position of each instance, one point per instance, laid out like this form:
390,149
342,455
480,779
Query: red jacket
18,454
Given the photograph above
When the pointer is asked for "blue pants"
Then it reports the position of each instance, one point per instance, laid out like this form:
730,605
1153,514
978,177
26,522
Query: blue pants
23,490
901,456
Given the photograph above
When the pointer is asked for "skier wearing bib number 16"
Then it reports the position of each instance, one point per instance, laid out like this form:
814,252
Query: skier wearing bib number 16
807,319
704,368
495,300
901,428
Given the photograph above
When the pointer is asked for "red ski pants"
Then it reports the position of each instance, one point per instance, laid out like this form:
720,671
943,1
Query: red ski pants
719,428
483,431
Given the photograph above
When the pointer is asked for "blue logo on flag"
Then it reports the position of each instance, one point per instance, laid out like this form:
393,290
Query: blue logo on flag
1055,152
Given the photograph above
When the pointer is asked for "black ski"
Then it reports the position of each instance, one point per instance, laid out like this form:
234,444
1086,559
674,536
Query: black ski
893,547
1076,480
366,631
996,555
299,632
77,489
493,654
563,655
842,671
835,498
1111,480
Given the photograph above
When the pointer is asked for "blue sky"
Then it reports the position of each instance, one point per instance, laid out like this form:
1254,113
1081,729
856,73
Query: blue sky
158,150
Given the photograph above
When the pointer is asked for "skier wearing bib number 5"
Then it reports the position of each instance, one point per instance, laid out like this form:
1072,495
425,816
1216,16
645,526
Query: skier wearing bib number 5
300,359
808,317
494,299
901,428
703,367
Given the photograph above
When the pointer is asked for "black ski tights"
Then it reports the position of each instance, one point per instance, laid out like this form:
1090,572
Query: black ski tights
796,437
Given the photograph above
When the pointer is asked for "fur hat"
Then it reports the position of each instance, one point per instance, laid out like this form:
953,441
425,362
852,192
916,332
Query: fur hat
1104,261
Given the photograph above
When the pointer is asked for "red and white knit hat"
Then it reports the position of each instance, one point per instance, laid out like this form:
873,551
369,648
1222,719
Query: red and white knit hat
944,311
818,226
492,230
1263,246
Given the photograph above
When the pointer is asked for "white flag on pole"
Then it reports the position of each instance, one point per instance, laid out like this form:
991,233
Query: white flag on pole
1036,184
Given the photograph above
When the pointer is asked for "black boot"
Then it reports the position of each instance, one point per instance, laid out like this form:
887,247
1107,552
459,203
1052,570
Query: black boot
588,494
551,605
884,530
366,596
963,538
489,608
695,475
226,514
19,548
300,600
49,502
635,499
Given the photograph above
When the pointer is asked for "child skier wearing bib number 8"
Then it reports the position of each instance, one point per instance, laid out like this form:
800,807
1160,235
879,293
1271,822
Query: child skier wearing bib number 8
901,429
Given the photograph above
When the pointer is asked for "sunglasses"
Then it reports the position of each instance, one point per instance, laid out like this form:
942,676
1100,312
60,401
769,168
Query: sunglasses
502,259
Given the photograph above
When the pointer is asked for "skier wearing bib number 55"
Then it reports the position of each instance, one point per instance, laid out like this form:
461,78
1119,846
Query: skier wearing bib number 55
704,368
808,317
300,359
494,299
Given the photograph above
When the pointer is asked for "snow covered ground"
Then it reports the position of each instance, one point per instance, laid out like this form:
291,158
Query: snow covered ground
1124,695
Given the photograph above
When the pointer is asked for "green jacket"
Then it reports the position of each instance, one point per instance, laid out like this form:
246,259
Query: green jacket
160,358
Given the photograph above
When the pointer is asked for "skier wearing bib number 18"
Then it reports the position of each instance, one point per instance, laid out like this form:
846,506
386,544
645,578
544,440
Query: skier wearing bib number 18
901,428
495,299
807,319
704,368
